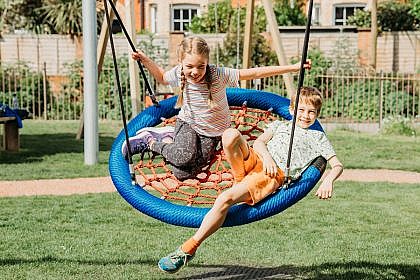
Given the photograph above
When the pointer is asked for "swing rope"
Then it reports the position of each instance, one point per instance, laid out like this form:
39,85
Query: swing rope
117,81
300,84
133,48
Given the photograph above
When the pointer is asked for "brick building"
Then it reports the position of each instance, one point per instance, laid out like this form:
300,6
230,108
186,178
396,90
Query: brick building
164,16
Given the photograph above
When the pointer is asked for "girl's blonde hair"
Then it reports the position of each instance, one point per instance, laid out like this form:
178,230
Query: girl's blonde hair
309,95
193,46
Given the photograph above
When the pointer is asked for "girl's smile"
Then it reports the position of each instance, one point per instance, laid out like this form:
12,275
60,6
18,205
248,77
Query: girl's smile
194,67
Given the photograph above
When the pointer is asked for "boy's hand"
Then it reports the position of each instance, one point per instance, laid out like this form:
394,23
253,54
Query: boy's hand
325,190
270,167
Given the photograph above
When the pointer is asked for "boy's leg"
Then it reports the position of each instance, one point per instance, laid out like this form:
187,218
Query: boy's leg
236,150
212,221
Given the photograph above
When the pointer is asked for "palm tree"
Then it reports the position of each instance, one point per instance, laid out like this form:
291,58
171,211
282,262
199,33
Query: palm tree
64,16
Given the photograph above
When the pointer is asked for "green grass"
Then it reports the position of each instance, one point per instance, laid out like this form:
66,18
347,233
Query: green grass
367,231
363,150
50,150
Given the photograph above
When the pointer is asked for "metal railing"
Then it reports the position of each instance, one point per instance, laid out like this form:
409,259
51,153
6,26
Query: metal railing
348,97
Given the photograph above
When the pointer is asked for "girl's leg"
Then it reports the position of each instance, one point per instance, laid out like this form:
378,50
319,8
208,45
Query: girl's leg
206,149
183,150
236,151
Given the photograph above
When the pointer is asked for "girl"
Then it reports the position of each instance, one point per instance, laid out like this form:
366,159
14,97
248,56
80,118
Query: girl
204,113
258,171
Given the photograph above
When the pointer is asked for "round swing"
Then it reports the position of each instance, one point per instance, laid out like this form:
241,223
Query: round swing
261,107
191,216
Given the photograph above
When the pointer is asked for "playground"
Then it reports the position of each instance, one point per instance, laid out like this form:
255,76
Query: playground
119,213
69,227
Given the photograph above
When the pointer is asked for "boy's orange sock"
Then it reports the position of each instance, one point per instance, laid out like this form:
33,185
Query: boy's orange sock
190,246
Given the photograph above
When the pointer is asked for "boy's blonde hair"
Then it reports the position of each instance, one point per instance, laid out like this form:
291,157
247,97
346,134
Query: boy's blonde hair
191,46
309,95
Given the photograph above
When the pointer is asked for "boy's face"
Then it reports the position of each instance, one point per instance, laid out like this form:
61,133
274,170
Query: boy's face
194,67
306,114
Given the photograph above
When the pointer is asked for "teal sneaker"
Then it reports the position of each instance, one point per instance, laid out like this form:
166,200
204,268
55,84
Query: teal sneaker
174,261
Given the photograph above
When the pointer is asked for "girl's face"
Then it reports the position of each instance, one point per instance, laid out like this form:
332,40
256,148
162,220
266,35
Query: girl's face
194,67
306,114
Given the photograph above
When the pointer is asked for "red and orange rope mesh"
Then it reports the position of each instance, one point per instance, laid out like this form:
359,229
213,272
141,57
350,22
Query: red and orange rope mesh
154,174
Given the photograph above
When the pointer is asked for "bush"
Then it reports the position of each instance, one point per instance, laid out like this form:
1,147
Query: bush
395,16
392,16
26,84
398,125
361,18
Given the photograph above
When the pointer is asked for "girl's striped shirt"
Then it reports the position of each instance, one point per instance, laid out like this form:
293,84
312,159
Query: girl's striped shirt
205,119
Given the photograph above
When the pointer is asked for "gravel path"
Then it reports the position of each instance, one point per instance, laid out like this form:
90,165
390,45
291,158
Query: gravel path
104,184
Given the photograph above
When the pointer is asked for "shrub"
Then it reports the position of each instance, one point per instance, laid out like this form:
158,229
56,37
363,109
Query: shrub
26,84
398,125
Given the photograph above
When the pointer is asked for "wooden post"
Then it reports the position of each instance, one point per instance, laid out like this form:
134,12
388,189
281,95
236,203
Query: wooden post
275,35
44,89
246,58
132,64
374,35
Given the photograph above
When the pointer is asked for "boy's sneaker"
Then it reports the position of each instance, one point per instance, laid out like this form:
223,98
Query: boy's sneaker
138,144
174,261
159,133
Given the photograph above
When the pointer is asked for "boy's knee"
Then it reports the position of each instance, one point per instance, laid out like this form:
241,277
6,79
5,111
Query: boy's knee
230,137
224,201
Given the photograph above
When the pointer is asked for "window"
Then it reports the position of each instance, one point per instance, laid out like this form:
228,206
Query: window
153,18
316,12
182,16
343,12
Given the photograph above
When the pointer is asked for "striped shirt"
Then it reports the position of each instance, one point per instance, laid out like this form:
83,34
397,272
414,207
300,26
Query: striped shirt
206,120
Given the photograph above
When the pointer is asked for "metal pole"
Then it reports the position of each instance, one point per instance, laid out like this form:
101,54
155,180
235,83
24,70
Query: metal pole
90,85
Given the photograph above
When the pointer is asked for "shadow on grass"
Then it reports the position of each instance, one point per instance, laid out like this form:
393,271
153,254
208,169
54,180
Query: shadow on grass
327,271
50,259
34,147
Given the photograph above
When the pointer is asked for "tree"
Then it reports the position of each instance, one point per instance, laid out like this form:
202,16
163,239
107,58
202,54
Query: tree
227,17
63,16
392,16
22,14
227,23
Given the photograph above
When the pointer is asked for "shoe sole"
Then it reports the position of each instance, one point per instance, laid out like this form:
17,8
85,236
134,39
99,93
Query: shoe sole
166,271
153,130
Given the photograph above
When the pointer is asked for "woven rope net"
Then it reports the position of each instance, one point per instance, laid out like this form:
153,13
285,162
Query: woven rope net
155,175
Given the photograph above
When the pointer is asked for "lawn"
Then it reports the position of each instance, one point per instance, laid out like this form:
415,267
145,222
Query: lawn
367,231
50,150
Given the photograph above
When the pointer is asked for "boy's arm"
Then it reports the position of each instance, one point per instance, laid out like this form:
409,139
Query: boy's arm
154,69
326,188
260,147
268,71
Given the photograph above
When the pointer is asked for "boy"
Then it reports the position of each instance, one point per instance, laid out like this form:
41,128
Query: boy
258,171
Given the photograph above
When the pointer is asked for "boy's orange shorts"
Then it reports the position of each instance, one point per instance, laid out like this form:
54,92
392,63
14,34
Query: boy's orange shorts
260,185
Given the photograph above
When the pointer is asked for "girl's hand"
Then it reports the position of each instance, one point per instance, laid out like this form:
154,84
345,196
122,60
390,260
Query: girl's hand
139,55
307,65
